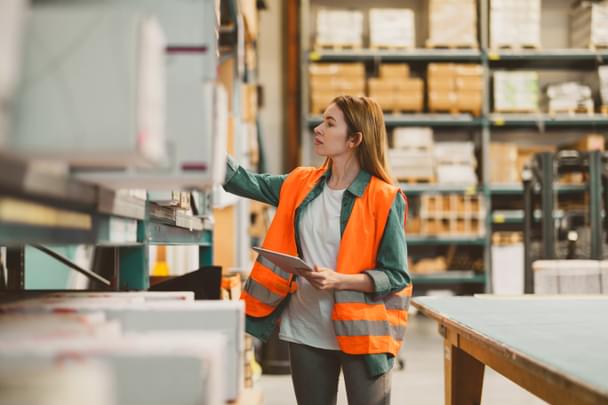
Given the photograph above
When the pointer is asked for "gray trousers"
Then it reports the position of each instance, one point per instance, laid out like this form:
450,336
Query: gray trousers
315,374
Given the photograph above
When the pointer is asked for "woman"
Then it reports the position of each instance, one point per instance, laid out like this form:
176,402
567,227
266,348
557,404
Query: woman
346,219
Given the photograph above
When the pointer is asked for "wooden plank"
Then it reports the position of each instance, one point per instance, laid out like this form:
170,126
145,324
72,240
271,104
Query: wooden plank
538,381
527,370
463,376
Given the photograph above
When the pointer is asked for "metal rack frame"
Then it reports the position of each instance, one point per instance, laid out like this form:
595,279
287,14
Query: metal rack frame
490,59
539,183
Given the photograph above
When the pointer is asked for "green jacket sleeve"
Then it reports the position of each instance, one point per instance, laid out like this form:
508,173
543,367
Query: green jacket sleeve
261,187
391,272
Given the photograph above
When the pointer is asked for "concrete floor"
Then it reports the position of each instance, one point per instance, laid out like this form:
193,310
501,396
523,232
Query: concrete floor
421,382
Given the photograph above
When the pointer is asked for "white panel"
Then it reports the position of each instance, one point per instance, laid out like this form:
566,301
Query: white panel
92,89
12,18
153,369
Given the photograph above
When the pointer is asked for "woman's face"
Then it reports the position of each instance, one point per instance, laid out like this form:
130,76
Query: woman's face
330,136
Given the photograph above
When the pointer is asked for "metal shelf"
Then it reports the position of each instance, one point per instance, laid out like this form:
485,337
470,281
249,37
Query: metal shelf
514,189
516,217
548,58
445,240
447,278
411,55
20,234
21,177
161,234
432,120
415,189
552,120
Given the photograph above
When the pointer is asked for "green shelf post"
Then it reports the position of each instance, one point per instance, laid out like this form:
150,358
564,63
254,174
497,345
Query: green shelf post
134,265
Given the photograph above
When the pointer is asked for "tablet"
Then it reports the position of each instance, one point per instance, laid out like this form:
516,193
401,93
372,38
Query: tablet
288,263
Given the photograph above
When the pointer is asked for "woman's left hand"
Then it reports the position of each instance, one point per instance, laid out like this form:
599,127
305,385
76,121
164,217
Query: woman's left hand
323,278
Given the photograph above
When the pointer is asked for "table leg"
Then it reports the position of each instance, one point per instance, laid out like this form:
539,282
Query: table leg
463,376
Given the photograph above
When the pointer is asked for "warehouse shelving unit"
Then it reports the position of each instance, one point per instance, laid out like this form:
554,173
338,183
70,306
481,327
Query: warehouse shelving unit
55,210
84,213
481,129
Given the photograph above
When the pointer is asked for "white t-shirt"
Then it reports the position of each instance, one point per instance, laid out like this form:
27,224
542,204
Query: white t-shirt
307,318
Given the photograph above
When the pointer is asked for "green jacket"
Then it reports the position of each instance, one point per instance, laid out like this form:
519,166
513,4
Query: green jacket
391,273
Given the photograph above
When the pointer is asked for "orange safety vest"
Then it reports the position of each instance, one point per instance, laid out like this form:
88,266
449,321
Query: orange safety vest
363,325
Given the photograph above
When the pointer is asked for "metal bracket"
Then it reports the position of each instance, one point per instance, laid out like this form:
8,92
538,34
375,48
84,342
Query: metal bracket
72,265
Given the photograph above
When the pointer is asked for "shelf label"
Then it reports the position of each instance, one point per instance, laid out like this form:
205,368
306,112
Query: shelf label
499,219
499,121
314,56
471,190
493,55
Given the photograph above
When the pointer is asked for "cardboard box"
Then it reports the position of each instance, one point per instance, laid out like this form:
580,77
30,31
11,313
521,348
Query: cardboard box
409,102
249,94
468,69
591,142
469,101
441,70
392,27
469,83
452,23
337,69
413,138
337,84
396,70
440,84
442,101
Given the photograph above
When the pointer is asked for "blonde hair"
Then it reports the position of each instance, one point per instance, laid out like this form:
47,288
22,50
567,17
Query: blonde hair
364,115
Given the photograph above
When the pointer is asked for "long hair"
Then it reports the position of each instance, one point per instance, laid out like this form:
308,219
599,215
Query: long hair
362,114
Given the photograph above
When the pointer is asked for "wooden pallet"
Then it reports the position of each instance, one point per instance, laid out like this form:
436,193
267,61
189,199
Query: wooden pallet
337,47
516,111
383,47
417,180
593,47
572,112
432,45
506,238
397,111
455,111
517,47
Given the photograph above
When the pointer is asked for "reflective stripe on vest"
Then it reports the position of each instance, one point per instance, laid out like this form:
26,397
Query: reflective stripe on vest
366,325
262,294
265,289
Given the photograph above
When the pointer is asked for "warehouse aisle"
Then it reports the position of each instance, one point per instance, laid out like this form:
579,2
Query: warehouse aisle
421,383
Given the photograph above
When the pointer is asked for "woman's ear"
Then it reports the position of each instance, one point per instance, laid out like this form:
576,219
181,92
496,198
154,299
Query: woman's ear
356,139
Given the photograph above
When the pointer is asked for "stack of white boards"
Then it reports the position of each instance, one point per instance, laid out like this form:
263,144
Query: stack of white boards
124,92
158,347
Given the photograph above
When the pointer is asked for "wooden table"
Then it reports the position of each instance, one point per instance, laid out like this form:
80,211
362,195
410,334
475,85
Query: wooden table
555,347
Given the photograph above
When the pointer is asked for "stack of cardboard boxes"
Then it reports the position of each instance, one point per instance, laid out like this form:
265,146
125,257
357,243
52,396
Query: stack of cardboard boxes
328,80
339,28
589,24
395,91
455,163
507,160
411,157
515,24
570,97
391,28
516,91
452,23
455,88
452,214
